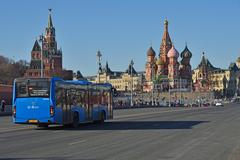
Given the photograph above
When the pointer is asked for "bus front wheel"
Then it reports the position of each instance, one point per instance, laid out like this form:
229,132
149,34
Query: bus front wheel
75,120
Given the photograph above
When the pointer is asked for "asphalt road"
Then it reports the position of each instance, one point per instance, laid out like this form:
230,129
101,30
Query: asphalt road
148,133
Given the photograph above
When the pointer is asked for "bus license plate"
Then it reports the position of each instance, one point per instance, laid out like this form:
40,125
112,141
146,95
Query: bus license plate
32,121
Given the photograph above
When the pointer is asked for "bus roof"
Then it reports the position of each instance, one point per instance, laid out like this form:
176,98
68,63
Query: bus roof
25,78
80,82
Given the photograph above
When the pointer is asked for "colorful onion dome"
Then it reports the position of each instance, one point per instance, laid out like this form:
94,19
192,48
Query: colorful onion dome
173,53
151,52
186,53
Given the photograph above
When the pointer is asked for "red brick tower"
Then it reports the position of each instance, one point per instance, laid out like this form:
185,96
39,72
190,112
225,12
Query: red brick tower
165,46
150,65
50,46
51,56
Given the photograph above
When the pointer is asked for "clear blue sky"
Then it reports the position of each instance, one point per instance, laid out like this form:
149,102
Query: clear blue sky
122,30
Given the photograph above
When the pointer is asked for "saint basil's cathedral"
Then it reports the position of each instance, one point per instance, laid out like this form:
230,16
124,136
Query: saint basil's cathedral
165,71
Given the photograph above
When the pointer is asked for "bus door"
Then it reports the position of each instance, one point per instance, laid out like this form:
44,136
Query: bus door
89,105
110,104
67,112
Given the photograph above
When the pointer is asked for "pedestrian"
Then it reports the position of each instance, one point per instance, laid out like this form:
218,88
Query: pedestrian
3,103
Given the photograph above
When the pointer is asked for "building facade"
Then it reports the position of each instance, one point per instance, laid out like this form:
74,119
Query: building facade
121,81
46,59
165,71
223,82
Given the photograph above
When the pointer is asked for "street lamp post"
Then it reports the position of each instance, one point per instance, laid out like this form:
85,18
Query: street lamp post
41,40
169,92
152,79
153,93
191,90
180,89
99,55
142,88
131,64
237,84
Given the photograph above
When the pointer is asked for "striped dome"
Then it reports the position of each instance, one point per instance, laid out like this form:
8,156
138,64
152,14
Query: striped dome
173,53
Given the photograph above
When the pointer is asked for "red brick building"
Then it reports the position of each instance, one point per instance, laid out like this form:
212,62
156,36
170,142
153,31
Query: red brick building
51,56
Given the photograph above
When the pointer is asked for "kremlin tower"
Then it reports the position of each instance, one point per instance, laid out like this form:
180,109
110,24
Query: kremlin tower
46,60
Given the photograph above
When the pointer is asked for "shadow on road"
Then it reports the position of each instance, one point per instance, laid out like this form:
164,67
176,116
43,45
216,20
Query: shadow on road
132,125
40,158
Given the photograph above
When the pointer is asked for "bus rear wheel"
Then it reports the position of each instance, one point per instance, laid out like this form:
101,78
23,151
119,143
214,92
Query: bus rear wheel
75,120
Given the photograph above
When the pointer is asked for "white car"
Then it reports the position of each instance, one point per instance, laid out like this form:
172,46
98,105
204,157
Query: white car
218,104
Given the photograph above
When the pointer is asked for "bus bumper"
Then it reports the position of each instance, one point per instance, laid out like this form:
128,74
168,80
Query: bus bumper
49,120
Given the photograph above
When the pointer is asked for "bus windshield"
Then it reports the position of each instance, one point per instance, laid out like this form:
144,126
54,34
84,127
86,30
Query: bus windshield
33,88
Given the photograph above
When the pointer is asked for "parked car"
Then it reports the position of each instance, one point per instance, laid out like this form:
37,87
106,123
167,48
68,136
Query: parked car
219,104
205,105
195,105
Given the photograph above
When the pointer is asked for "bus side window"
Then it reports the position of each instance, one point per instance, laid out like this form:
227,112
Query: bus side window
73,99
83,98
69,97
103,98
65,99
59,96
78,97
93,99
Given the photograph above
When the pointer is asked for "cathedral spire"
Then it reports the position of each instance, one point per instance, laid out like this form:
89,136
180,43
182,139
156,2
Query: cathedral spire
166,25
166,43
165,46
166,38
50,24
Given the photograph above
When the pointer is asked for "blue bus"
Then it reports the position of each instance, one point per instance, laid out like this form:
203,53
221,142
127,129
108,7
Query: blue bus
45,101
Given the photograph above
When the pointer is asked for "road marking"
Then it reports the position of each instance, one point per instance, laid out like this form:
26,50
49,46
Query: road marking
150,113
57,131
82,141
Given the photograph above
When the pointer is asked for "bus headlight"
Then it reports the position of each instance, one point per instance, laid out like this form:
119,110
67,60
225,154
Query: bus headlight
51,111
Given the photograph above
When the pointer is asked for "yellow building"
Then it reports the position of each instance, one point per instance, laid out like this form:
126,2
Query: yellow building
121,81
226,81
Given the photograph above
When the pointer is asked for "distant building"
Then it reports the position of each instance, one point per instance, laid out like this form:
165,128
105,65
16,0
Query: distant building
165,71
78,76
121,81
51,56
201,75
223,82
